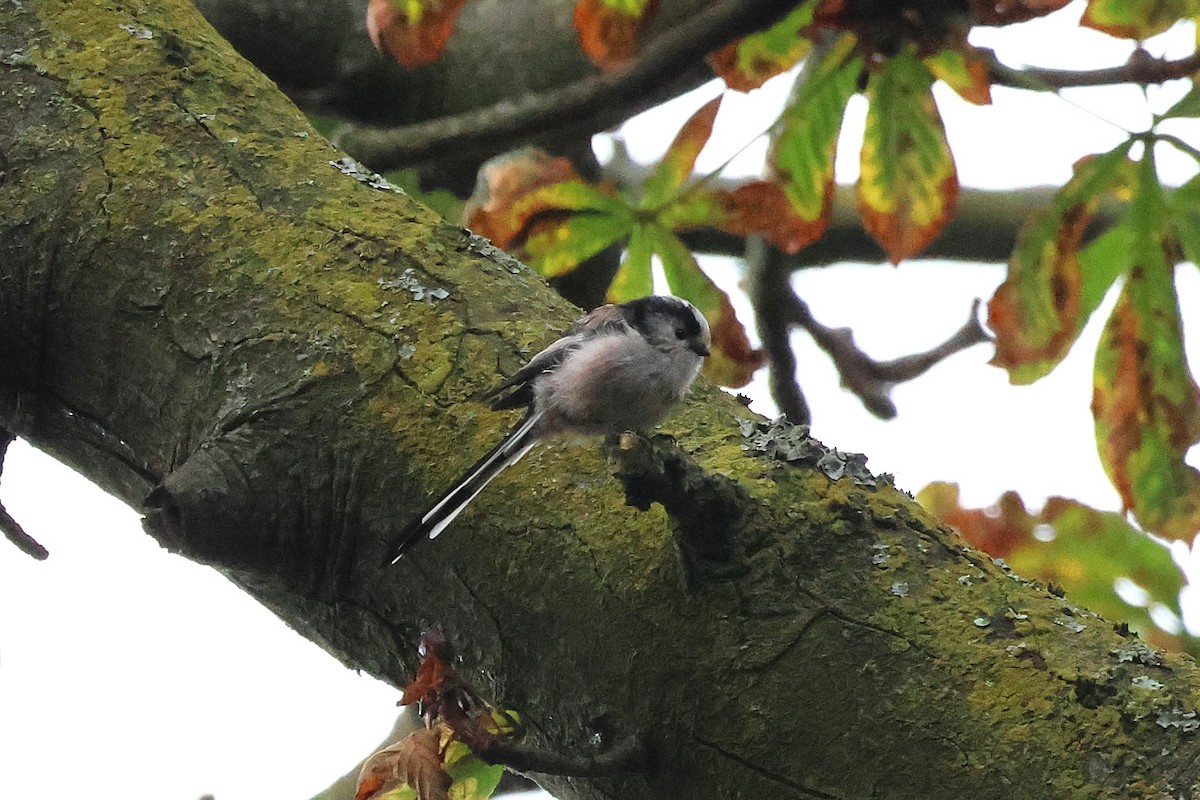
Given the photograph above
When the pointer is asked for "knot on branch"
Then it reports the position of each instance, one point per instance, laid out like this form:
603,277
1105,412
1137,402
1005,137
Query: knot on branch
705,509
252,510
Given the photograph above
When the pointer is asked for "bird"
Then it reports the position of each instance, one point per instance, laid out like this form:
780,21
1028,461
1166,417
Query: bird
620,367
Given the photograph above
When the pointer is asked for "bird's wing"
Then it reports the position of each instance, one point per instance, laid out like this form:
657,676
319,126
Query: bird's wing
600,320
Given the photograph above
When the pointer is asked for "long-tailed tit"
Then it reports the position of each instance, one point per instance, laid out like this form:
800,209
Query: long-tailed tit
620,367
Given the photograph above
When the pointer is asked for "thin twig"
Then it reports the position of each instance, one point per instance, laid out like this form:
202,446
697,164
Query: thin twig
769,291
587,106
10,527
1141,68
872,381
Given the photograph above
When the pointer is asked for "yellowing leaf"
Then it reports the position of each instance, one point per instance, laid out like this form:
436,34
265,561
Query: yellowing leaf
608,29
1135,20
677,164
764,208
412,32
963,70
1051,287
507,181
908,186
1146,403
751,61
802,154
634,278
559,247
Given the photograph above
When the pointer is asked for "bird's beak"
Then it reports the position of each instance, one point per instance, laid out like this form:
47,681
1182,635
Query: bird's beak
700,348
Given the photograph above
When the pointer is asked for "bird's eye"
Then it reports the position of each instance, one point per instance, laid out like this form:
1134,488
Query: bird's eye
680,333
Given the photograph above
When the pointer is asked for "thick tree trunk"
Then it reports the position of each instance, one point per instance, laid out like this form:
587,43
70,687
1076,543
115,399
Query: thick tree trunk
208,312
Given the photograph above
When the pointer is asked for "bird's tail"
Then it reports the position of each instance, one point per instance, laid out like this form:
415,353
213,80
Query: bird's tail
516,444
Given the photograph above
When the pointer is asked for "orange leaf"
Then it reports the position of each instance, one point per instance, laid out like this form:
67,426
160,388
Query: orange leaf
762,207
751,61
997,531
415,761
503,182
607,33
413,32
676,165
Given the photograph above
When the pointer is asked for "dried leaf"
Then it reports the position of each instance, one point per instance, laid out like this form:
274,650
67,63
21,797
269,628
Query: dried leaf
1052,288
415,761
1135,20
609,29
413,32
908,186
1146,403
751,61
997,531
763,208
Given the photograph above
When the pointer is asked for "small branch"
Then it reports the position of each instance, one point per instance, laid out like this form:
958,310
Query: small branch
630,755
1141,68
872,381
769,290
10,527
583,107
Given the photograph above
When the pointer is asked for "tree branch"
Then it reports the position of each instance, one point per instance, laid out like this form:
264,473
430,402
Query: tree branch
1141,68
12,529
585,107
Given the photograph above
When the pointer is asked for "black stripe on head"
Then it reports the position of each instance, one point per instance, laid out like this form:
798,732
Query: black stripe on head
672,307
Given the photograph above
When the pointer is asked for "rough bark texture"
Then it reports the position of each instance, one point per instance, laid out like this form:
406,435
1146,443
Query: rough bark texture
205,313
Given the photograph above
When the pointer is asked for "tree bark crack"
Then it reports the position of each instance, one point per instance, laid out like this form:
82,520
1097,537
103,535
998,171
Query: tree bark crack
799,789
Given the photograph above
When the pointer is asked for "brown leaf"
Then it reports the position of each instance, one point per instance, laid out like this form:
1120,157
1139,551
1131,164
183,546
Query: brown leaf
502,182
415,761
416,40
997,531
609,35
762,207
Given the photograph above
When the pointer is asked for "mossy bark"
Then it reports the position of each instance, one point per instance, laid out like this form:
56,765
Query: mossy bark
209,313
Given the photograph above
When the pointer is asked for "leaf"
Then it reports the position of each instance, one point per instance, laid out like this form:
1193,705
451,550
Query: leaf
413,32
1185,218
608,29
557,248
751,61
733,360
763,208
802,154
1186,106
1135,20
1006,12
1051,288
1146,403
997,531
908,185
964,70
1069,544
414,761
506,180
634,277
676,165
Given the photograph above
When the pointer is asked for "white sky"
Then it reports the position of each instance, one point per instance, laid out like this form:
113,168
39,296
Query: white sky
127,672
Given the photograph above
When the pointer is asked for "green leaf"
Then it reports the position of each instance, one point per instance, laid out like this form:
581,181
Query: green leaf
634,8
1186,106
634,278
1146,403
802,154
474,778
1185,218
1051,288
749,62
1089,551
571,196
908,185
1135,19
965,71
565,245
677,164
